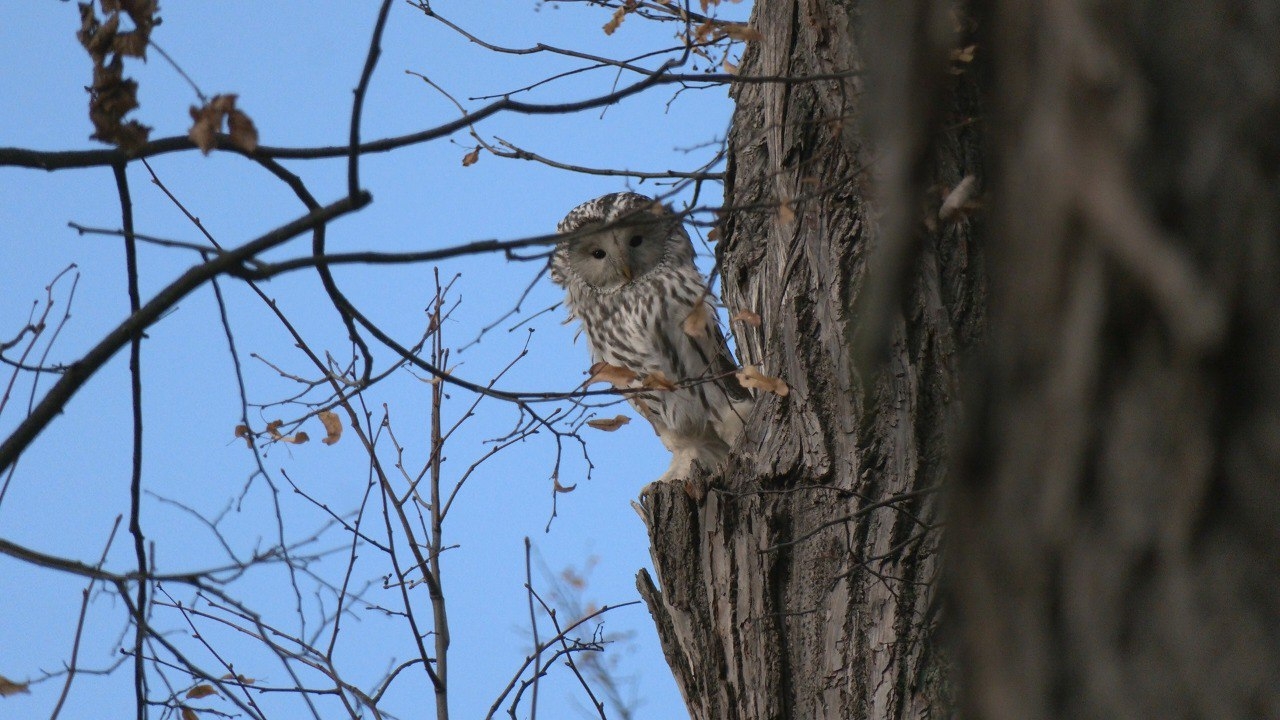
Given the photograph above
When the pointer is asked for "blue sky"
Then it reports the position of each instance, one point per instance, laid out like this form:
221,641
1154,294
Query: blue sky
294,66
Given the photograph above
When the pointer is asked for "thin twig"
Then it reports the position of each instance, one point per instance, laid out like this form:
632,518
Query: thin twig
135,481
84,609
533,626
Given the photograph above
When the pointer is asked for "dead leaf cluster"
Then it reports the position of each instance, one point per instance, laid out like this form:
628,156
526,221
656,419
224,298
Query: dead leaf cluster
273,429
713,30
208,119
332,428
112,96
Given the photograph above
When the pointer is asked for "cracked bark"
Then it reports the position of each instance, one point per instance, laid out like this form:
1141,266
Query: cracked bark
1112,537
798,581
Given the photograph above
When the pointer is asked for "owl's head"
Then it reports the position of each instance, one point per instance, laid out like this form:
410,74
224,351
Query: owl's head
615,240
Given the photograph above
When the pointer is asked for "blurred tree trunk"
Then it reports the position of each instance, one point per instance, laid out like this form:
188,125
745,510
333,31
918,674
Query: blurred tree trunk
799,582
1116,534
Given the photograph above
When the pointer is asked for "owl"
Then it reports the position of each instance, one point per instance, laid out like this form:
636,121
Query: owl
628,274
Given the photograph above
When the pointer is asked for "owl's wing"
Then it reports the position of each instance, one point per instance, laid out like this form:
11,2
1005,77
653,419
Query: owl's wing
714,351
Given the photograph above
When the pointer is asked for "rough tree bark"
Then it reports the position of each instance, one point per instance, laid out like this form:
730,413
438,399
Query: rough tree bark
799,582
1113,540
1116,533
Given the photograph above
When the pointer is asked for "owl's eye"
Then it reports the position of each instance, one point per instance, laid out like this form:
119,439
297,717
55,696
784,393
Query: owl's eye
598,254
636,240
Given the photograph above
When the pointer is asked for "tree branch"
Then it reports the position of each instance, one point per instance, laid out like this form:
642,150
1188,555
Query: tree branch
78,373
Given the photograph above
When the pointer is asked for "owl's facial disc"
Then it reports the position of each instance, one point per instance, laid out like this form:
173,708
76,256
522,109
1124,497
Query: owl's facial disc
615,256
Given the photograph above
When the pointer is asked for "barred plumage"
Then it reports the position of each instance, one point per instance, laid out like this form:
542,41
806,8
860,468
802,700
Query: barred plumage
629,277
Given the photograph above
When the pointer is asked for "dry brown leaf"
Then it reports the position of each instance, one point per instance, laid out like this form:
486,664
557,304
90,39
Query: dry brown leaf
963,55
656,380
132,43
9,687
619,377
111,95
435,379
610,424
786,214
207,123
224,103
332,426
189,714
204,128
242,130
573,579
746,316
94,36
751,377
729,67
745,33
242,431
200,691
238,678
471,158
561,488
695,325
612,26
703,33
273,429
957,198
713,234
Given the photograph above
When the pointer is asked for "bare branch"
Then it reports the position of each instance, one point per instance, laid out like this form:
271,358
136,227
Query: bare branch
230,263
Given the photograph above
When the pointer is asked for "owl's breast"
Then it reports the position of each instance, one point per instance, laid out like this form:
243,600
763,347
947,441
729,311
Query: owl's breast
642,327
622,328
639,326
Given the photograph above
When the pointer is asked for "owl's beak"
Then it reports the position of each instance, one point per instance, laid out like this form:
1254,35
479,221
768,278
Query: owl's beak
626,271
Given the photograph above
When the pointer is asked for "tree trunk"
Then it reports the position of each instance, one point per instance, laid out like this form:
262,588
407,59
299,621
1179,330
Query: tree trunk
1116,535
799,581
